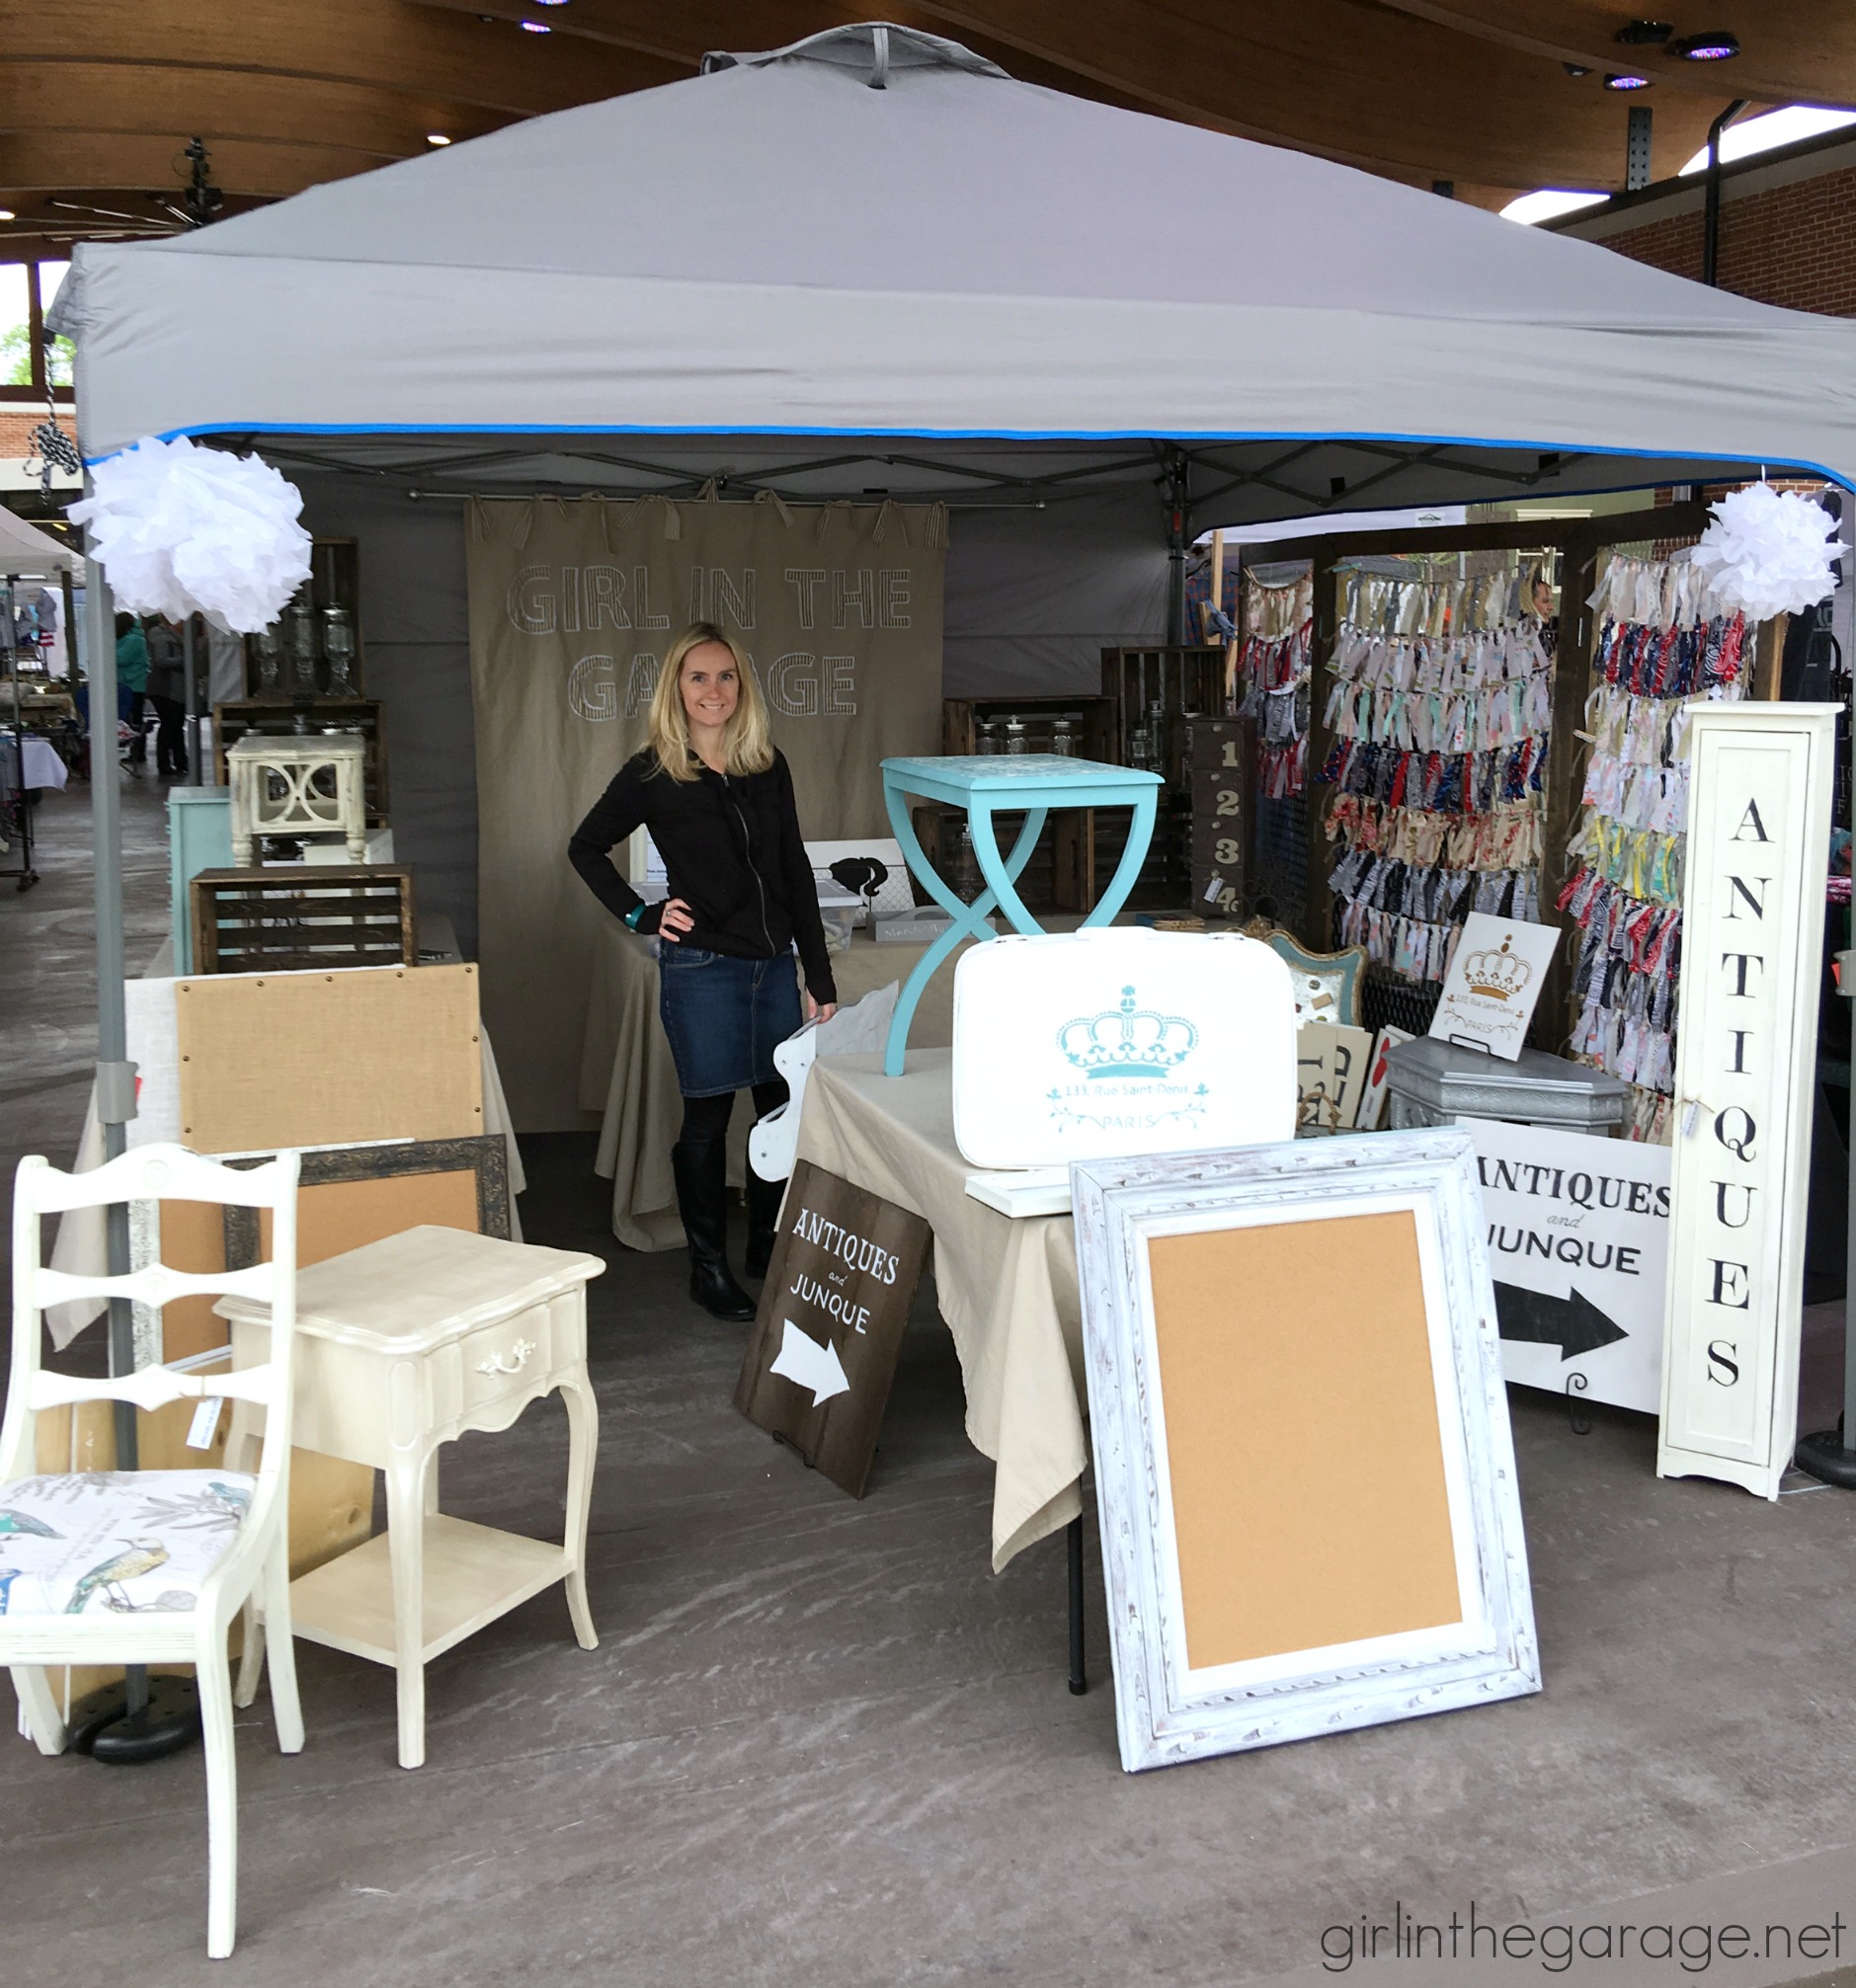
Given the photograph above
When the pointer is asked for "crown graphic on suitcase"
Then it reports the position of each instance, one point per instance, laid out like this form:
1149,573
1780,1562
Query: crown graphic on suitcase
1127,1041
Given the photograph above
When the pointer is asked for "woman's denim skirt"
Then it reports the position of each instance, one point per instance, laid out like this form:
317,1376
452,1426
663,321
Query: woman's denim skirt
723,1016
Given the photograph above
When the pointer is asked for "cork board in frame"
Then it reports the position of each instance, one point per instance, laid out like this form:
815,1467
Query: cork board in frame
332,1058
1303,1463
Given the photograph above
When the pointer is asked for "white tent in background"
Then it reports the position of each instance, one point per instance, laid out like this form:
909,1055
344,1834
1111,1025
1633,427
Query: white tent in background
876,235
26,552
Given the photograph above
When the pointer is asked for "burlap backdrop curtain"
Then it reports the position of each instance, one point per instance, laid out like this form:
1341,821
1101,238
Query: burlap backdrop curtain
572,605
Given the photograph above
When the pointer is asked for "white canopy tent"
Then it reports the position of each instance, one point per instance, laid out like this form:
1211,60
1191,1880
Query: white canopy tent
872,263
877,235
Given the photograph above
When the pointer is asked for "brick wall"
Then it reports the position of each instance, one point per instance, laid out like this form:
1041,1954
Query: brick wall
1793,245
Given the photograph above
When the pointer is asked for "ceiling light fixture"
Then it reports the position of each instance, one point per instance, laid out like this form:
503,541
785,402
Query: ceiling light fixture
537,28
437,138
1721,47
1644,33
1627,82
6,214
1576,68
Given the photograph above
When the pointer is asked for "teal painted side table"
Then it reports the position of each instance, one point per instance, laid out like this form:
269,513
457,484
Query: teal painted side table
200,837
987,783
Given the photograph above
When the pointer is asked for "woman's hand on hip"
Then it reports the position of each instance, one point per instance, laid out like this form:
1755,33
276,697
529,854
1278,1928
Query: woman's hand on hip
819,1010
676,921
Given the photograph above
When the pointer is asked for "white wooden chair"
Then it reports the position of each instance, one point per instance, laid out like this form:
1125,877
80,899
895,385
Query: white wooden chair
151,1566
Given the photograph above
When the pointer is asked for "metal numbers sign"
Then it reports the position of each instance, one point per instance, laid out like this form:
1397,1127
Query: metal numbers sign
1758,848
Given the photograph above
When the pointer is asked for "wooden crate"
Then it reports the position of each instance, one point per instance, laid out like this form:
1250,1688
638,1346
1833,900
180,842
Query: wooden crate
1186,683
1092,719
232,720
306,914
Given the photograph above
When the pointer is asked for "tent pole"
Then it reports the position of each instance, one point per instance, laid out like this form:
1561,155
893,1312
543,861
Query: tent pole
116,1075
193,704
74,676
126,1729
1178,513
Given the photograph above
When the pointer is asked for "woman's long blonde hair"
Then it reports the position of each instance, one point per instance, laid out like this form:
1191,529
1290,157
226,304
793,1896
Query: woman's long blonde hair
745,747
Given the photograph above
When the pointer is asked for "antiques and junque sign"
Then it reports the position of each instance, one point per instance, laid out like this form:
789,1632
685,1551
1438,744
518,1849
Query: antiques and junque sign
833,1312
1752,930
1495,976
572,606
1578,1229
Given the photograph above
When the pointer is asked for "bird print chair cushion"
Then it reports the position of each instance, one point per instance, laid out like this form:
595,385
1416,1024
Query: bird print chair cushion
115,1542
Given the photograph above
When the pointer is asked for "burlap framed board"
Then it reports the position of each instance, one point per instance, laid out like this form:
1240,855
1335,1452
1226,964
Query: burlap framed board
1303,1464
829,1329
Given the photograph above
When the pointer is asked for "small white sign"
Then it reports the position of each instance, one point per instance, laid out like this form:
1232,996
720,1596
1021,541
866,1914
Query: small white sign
1379,1078
1330,1071
1496,976
1578,1229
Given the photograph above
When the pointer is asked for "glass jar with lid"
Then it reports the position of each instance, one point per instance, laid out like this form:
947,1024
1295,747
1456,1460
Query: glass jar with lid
302,645
989,739
1063,738
1015,734
337,651
267,652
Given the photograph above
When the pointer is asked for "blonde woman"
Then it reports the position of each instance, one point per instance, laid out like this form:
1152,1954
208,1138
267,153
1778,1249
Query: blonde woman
717,798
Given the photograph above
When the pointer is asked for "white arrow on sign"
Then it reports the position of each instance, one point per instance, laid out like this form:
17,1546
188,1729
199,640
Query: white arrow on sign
805,1362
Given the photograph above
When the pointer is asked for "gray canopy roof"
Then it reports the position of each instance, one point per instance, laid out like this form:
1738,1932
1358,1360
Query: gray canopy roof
777,249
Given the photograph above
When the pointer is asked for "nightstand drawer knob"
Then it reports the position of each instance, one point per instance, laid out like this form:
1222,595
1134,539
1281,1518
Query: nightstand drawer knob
511,1363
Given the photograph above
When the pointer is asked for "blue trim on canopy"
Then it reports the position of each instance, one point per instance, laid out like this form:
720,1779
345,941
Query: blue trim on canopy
971,434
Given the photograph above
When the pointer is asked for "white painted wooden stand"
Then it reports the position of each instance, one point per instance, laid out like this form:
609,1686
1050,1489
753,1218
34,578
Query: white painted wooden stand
258,762
404,1344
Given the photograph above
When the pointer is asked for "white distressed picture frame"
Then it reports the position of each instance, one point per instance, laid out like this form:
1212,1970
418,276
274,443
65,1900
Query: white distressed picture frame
1166,1712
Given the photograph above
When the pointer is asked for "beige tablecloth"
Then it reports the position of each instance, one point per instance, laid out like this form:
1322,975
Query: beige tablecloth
1006,1289
626,1073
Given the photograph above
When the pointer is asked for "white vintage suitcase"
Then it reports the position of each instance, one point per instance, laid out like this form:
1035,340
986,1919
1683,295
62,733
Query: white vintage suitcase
1097,1044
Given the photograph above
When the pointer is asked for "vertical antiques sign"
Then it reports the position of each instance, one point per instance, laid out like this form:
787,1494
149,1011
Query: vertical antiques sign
828,1328
573,604
1752,933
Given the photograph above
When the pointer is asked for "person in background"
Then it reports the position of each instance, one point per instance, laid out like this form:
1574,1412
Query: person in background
167,692
131,688
718,800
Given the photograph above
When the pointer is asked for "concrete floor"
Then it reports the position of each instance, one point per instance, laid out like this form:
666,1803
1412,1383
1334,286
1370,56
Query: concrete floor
820,1743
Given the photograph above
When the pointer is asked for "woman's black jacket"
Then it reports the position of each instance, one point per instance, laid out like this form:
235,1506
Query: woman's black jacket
732,851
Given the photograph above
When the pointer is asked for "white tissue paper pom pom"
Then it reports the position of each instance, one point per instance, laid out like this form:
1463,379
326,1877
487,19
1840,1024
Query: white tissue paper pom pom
182,530
1765,552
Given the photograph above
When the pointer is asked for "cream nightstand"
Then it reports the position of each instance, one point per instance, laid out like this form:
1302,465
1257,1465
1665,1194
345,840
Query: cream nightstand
401,1346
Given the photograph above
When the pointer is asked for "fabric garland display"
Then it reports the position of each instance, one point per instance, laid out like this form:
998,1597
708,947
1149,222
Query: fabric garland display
1440,707
1667,636
1272,681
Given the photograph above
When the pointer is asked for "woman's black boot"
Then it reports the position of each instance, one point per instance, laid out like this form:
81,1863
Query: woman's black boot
700,1167
763,1199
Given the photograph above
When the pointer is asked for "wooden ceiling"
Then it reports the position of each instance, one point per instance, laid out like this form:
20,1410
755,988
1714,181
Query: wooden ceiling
98,98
